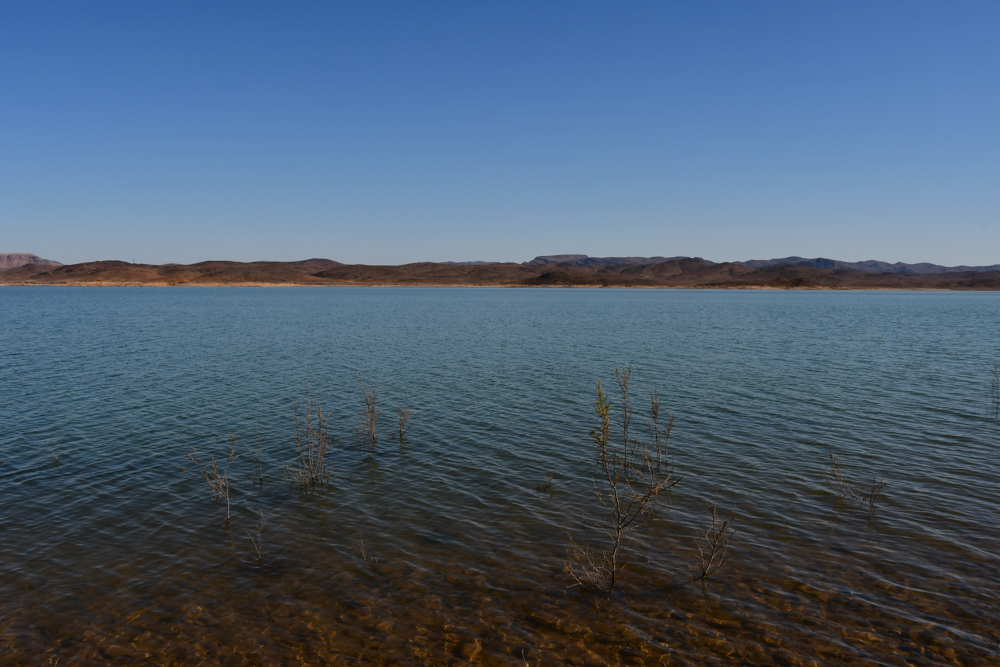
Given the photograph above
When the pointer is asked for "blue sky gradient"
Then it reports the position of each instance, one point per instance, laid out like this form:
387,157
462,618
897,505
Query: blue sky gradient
397,132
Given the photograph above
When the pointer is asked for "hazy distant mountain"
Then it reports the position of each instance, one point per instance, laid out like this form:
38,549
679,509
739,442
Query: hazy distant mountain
867,266
584,260
475,263
12,260
554,259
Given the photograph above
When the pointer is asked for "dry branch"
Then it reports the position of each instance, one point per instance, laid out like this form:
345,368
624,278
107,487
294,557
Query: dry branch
256,539
403,418
713,546
866,498
366,432
370,561
312,444
631,482
218,479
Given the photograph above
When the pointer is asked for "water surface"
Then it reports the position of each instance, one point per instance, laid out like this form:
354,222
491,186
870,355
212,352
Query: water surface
113,554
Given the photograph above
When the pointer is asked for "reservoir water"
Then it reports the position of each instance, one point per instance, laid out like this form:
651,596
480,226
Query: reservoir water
110,553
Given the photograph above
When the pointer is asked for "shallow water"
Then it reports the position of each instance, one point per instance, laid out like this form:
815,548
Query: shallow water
113,554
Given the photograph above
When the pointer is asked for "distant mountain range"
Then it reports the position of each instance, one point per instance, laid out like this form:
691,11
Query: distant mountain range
12,260
554,270
867,266
474,263
615,272
584,260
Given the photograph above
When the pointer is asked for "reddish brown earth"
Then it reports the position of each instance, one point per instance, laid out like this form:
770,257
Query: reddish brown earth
671,273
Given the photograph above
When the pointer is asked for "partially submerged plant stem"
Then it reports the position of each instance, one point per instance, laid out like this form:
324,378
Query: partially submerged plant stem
993,399
258,462
403,418
370,561
367,431
312,444
866,498
256,539
218,480
632,481
713,546
545,485
661,440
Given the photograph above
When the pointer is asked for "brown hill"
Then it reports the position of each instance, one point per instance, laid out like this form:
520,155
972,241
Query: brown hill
688,272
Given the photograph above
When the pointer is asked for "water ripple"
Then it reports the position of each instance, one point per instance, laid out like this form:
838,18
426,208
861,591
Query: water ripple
113,554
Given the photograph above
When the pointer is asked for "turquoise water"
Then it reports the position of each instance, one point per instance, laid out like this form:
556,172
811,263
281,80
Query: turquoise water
110,553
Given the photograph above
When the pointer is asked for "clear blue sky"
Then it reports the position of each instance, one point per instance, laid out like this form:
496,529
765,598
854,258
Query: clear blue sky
396,132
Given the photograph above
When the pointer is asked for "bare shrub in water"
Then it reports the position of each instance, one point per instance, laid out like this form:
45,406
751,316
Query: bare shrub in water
661,440
366,432
256,539
545,486
312,444
631,482
370,560
587,566
993,397
713,546
865,497
403,418
218,479
258,462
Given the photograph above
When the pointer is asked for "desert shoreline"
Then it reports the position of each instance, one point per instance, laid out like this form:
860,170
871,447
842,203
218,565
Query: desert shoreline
733,288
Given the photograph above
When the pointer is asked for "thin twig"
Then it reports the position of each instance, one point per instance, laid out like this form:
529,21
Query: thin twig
631,482
841,487
258,460
218,480
993,399
371,562
312,444
545,486
713,546
403,418
366,432
866,498
256,540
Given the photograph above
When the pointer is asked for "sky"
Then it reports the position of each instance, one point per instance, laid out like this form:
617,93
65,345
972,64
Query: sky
394,132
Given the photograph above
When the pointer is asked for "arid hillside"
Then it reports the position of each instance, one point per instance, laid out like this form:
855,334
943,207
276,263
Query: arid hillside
672,273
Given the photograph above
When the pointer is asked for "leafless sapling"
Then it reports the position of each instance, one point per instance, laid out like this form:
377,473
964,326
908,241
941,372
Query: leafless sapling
403,418
545,485
312,444
628,487
713,546
217,478
366,432
256,538
659,434
257,458
865,498
993,398
370,560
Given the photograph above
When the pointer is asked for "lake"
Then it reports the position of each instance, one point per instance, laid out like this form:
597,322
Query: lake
109,552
